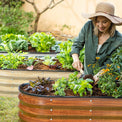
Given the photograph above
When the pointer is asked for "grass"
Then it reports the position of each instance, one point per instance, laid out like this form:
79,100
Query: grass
9,109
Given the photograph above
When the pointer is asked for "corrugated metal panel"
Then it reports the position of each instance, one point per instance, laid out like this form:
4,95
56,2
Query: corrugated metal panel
61,109
11,79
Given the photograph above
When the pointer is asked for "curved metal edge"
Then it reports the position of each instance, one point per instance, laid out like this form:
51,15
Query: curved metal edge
38,70
37,95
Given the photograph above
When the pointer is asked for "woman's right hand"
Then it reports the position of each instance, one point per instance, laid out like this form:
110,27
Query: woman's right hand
77,65
76,62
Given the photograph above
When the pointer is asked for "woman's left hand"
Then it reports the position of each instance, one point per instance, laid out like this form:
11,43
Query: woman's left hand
96,78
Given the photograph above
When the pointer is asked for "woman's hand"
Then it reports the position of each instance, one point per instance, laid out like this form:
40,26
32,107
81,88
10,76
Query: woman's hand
76,62
96,78
77,65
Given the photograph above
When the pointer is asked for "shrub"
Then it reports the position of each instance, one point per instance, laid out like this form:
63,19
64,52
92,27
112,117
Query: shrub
13,19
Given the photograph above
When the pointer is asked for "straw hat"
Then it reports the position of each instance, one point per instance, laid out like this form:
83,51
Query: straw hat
107,10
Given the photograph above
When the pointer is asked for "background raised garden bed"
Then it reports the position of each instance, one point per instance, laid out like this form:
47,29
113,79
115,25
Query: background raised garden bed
11,79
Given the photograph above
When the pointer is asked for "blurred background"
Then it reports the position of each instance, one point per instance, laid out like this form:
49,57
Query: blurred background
66,17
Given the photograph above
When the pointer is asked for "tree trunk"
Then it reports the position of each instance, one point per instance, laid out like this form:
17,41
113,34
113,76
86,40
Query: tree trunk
36,23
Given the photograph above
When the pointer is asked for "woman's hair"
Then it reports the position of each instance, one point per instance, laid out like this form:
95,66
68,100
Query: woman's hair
111,29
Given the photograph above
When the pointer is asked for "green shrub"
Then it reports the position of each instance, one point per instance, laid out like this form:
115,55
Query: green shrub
13,19
110,82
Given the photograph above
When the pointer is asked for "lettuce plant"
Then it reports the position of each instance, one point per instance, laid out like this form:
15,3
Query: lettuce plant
48,60
64,56
42,42
12,42
11,60
78,86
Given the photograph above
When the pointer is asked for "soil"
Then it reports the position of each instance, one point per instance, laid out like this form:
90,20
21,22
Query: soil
46,89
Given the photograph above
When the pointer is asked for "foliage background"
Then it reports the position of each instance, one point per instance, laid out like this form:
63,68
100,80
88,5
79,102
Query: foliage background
13,19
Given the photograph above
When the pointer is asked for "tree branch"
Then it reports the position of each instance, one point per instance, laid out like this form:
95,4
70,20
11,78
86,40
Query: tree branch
30,2
54,4
50,7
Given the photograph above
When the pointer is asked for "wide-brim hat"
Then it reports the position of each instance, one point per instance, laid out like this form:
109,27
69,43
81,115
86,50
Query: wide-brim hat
107,10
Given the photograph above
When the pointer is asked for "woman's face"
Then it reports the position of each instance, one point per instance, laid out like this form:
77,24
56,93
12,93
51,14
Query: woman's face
103,24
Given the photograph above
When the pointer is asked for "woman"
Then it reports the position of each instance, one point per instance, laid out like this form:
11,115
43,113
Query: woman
99,37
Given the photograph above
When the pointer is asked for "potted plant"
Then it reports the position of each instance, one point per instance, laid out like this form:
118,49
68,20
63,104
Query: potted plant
73,99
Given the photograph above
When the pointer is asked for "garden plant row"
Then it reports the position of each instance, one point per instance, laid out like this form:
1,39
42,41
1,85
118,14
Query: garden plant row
110,82
38,42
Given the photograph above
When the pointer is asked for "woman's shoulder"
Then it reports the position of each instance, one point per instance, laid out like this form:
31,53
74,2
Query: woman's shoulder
118,34
119,37
88,25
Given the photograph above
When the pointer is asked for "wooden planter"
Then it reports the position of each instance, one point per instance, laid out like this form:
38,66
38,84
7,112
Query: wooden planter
11,79
68,109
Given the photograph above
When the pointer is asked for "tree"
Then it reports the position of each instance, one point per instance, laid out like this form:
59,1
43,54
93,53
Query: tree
51,5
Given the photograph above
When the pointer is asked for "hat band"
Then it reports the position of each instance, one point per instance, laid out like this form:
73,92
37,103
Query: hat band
106,13
110,15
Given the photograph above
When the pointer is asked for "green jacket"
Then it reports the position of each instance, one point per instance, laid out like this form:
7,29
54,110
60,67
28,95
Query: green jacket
90,41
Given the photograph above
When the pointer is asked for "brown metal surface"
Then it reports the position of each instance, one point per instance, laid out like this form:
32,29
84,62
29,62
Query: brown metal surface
60,109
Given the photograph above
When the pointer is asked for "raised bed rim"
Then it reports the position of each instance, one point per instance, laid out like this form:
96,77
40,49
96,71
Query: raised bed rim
38,70
36,95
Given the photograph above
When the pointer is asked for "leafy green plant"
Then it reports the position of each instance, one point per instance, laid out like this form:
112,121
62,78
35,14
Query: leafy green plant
110,82
11,60
42,41
78,86
64,56
56,47
29,61
12,42
48,60
60,86
117,59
